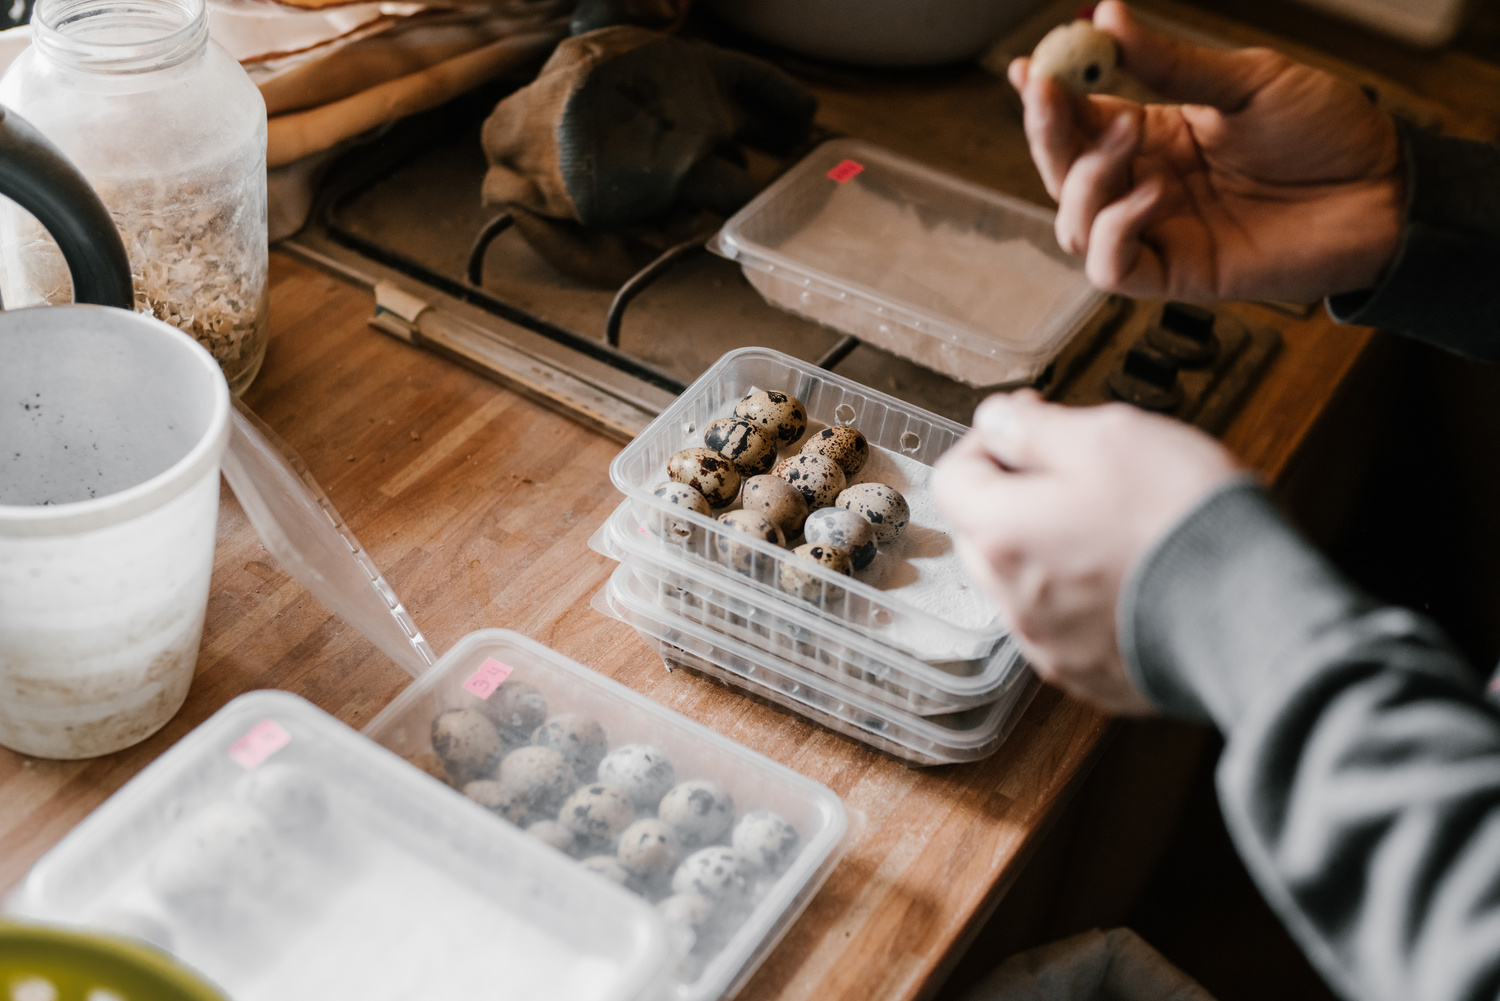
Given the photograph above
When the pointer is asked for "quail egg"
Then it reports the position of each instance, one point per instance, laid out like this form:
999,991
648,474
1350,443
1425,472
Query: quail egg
1078,55
738,555
596,813
579,738
881,505
609,867
717,872
642,772
766,840
508,801
776,499
801,583
840,527
516,708
707,472
698,811
467,742
843,444
783,416
553,833
742,442
669,525
542,774
648,848
818,477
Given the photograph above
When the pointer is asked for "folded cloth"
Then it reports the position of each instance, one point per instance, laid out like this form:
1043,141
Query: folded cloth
1117,965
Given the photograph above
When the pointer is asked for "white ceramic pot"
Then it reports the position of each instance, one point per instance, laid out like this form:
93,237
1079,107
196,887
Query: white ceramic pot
113,425
878,32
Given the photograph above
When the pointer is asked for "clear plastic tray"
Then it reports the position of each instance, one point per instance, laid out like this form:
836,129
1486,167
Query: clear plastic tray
752,780
286,857
954,276
887,423
918,740
804,638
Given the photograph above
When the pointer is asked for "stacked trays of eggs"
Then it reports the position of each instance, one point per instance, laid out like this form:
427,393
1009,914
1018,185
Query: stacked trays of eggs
787,509
727,845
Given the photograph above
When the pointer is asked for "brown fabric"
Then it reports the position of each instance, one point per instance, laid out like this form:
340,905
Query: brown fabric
1117,965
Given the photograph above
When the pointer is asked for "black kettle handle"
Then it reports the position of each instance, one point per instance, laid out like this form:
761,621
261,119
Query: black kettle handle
36,176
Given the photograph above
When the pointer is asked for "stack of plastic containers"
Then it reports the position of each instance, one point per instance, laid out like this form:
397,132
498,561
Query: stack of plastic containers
920,668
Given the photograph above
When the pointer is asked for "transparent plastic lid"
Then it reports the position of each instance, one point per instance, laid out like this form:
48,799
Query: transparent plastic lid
895,252
286,857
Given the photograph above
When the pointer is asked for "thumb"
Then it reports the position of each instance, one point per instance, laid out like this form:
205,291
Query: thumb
1182,71
1022,432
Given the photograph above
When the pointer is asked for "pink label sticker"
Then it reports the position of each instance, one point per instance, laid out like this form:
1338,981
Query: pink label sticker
487,677
258,744
846,170
642,530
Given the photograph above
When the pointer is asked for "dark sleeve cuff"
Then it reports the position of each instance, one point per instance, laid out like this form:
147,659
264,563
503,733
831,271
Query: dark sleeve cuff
1222,605
1444,285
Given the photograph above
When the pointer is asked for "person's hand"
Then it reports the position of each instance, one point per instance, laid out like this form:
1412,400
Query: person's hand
1052,507
1272,180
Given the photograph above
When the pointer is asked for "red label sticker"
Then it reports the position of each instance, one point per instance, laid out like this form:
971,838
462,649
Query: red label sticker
846,170
488,677
258,744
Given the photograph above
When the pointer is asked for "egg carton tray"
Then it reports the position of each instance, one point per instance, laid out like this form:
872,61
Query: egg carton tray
886,422
970,735
810,641
470,674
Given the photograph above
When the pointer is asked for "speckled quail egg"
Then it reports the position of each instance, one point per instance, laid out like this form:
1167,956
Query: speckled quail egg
707,472
596,813
642,772
818,477
542,773
843,444
766,840
467,742
842,528
699,812
668,525
796,581
776,499
688,910
553,833
783,416
881,505
648,848
517,709
579,738
1078,55
292,799
746,444
609,867
739,556
718,873
508,801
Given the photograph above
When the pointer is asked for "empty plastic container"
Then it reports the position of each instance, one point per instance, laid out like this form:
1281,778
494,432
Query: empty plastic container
954,276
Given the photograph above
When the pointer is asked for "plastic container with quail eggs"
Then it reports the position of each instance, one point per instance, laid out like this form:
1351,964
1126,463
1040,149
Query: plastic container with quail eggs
288,858
728,845
911,593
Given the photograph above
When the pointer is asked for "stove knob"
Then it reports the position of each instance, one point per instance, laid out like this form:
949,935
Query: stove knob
1147,379
1185,334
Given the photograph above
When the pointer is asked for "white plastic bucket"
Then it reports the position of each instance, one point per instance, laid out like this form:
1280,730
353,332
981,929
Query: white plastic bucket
112,426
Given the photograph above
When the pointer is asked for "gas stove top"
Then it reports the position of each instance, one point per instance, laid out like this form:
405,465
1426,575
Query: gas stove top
403,217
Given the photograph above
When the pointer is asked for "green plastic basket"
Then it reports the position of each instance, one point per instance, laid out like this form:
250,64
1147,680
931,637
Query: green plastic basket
45,963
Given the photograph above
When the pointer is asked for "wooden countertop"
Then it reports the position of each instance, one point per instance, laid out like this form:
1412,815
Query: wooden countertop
478,505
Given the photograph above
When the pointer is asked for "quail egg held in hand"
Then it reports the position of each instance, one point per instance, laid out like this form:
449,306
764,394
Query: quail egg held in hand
671,527
747,445
707,472
626,817
818,477
881,505
783,416
1078,55
776,499
841,443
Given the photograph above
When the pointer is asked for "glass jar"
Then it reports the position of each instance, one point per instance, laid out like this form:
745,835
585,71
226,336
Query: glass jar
172,134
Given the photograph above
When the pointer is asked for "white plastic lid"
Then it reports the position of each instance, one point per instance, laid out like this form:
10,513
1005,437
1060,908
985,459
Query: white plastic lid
286,857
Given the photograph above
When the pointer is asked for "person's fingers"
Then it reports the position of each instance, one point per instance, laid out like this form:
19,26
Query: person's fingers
1181,71
1097,178
1118,259
1017,72
1025,434
1052,130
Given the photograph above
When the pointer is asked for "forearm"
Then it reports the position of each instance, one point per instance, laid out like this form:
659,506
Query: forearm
1443,286
1361,776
